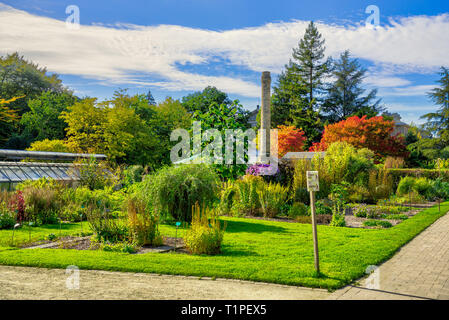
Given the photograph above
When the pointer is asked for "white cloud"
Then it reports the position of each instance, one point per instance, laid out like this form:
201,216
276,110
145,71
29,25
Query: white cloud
130,54
420,90
385,81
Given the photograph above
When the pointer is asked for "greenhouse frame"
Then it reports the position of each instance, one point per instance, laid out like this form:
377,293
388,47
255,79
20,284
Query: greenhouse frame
27,165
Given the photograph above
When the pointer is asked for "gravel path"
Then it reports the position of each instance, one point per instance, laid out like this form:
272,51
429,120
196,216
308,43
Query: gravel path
36,283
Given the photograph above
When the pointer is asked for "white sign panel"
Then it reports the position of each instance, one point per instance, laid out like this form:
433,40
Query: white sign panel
312,181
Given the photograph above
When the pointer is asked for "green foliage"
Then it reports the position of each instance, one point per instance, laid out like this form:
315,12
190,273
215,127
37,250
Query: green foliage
105,226
228,192
21,77
380,184
172,191
339,195
42,200
438,122
201,101
247,202
297,209
341,163
406,185
168,116
422,186
224,117
7,219
50,145
42,121
440,189
271,197
205,235
344,96
96,174
377,223
320,209
142,222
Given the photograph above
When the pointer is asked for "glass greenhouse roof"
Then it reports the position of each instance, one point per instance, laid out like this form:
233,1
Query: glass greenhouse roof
7,154
20,171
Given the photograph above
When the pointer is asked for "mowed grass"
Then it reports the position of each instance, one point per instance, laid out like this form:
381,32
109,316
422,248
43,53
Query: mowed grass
278,252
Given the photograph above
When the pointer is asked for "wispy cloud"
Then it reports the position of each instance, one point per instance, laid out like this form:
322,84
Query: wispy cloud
151,55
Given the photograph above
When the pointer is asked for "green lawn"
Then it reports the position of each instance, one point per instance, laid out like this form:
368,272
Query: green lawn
257,250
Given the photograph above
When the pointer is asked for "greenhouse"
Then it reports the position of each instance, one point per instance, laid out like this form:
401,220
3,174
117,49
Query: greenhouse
17,166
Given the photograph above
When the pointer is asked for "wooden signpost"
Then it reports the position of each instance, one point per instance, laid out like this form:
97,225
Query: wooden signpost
314,186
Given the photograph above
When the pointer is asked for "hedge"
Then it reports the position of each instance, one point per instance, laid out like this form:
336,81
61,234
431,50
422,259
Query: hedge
427,173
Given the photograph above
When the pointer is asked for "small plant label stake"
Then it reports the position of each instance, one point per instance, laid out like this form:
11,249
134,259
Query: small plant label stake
314,186
176,234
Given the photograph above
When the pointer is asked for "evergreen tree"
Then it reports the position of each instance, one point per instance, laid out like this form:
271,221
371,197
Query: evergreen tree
345,95
438,122
300,86
308,61
150,99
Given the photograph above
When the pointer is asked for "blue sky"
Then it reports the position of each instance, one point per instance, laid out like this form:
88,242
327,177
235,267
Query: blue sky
178,47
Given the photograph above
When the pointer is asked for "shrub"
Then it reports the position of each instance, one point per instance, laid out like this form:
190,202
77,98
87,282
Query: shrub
405,185
272,196
247,189
422,186
377,223
143,224
339,195
338,220
394,162
105,227
227,198
361,211
17,204
97,174
173,191
290,139
42,205
342,162
440,189
297,209
380,184
7,219
431,174
205,235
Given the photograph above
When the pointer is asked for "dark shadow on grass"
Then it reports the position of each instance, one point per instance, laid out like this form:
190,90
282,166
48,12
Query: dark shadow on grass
230,252
242,226
64,226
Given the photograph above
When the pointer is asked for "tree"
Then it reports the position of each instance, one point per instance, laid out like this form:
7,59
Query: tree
43,121
150,99
224,117
168,116
85,126
19,76
8,118
345,95
50,145
373,133
290,139
438,122
308,60
202,100
298,88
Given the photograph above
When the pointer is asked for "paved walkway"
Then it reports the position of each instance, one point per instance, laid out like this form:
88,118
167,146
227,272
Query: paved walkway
420,270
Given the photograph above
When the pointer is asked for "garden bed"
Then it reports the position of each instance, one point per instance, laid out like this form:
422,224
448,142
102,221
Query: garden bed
86,243
253,249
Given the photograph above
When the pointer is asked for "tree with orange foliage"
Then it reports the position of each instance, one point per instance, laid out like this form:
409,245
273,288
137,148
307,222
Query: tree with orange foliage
374,133
290,139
